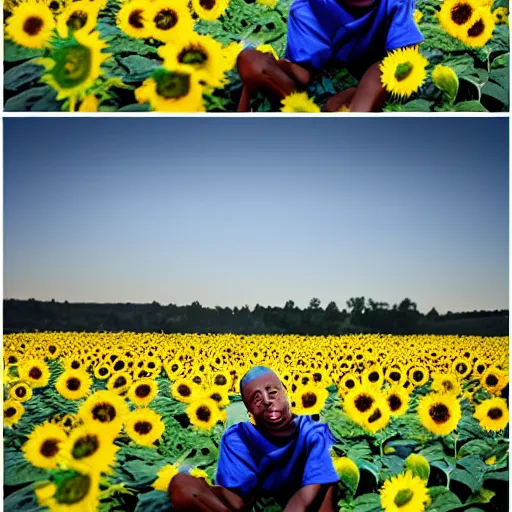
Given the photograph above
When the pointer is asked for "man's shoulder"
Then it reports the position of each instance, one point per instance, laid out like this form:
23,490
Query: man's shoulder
235,431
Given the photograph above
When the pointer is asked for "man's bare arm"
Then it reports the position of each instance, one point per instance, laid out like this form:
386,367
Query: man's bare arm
309,497
370,94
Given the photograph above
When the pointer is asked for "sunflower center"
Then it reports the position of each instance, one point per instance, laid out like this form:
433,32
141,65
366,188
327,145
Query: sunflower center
394,402
192,56
197,379
350,384
417,376
35,373
375,416
49,448
54,5
165,19
20,391
119,366
102,371
491,380
73,489
120,382
317,377
171,85
77,20
476,29
12,360
363,403
439,413
495,413
75,365
461,367
216,397
403,497
104,412
373,377
72,66
85,446
448,385
207,4
203,413
10,412
73,384
184,390
174,367
33,25
394,376
403,70
461,13
309,400
220,380
52,349
143,427
143,390
135,19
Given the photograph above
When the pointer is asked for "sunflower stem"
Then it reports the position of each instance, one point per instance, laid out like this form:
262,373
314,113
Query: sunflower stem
455,437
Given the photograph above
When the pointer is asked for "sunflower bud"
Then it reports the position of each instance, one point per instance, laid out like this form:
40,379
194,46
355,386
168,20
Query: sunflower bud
446,79
418,465
347,471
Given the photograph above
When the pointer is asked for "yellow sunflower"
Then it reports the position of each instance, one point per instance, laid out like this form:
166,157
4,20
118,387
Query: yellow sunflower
172,92
76,16
74,65
309,399
439,412
165,475
209,10
418,375
169,20
492,414
13,411
359,403
299,102
76,492
56,6
35,372
197,54
219,394
461,367
143,391
120,382
403,71
89,104
144,426
373,376
105,409
398,400
20,392
73,384
30,25
494,380
417,16
88,445
404,493
102,371
379,415
268,48
133,19
500,16
348,382
204,413
446,383
456,16
480,31
44,445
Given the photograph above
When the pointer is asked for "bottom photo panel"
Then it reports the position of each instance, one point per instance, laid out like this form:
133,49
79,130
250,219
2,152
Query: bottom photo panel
215,315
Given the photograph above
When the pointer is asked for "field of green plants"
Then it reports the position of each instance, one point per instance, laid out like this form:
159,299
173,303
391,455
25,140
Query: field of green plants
136,75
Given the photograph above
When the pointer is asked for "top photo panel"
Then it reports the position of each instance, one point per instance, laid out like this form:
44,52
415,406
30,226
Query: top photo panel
278,56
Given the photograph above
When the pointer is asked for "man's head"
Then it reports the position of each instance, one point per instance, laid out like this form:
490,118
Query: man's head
265,398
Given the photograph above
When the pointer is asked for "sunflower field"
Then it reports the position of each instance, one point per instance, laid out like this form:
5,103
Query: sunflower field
180,56
105,421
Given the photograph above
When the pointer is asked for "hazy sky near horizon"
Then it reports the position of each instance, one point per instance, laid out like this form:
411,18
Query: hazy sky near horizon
234,211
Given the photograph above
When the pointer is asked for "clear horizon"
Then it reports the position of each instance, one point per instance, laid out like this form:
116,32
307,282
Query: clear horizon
237,211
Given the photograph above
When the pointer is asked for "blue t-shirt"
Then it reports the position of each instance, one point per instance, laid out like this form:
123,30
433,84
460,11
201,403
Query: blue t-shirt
323,30
248,460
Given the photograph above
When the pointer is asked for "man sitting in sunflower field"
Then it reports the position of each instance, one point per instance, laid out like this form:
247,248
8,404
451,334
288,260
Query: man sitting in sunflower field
279,455
357,34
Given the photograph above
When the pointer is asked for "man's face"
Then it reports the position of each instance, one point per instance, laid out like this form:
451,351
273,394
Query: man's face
265,398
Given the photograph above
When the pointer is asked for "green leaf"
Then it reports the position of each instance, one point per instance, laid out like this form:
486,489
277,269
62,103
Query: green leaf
496,91
139,68
497,475
394,463
18,471
368,466
155,501
14,52
22,75
40,99
466,478
368,503
23,500
469,106
123,45
135,107
418,105
443,500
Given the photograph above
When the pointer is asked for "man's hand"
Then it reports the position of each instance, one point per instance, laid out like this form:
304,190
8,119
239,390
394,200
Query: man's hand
314,497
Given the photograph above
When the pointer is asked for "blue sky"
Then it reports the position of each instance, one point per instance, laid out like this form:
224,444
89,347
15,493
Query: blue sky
234,211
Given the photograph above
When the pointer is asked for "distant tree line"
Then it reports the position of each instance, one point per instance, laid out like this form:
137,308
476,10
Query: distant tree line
359,316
